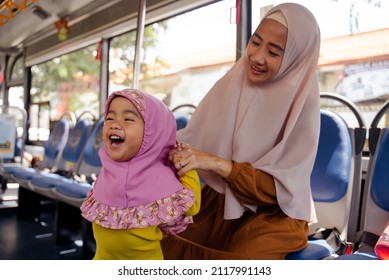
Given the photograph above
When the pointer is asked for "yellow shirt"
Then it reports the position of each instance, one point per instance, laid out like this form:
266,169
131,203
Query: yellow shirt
140,243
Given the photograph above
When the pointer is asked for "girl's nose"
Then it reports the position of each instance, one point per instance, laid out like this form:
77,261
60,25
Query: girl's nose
114,125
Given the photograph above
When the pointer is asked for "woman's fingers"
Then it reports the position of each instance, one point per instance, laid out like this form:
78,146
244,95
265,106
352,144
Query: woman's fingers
183,156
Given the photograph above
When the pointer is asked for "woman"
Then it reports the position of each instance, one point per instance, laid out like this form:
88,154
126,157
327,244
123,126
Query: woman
253,140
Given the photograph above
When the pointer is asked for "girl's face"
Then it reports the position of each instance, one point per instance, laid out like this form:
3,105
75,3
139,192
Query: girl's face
265,51
123,129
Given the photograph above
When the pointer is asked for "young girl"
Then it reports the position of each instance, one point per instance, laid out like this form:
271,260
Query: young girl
137,196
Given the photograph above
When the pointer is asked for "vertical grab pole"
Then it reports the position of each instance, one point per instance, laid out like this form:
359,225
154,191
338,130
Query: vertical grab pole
243,26
139,39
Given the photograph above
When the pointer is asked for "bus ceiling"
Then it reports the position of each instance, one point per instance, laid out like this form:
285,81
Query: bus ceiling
35,25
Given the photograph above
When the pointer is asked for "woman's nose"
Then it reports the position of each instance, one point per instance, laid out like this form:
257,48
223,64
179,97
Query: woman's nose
258,56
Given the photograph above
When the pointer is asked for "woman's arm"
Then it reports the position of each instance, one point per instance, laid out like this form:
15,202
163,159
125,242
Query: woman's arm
250,185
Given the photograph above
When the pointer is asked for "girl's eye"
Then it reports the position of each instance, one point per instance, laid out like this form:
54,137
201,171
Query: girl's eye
128,117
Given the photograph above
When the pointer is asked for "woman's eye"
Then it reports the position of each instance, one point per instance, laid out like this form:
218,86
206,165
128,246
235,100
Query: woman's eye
255,43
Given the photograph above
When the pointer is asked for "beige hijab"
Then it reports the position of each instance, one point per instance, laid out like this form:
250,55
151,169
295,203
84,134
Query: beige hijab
275,127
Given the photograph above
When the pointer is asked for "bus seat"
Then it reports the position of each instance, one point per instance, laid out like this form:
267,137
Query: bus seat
315,250
42,182
335,174
181,120
72,191
375,207
329,182
182,113
53,152
57,141
332,174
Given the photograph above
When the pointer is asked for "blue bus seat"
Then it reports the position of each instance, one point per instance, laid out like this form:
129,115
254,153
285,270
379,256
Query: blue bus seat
375,207
181,120
72,191
182,113
329,182
332,174
336,174
53,152
42,182
315,250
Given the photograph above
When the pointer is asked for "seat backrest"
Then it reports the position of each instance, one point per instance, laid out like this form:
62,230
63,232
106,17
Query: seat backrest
181,120
336,178
57,141
330,179
375,208
182,113
377,204
75,144
90,161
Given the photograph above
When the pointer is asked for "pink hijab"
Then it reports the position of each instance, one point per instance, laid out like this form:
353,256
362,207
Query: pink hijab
275,126
146,177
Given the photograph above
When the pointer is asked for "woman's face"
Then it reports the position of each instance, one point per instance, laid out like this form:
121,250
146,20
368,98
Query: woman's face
265,51
123,129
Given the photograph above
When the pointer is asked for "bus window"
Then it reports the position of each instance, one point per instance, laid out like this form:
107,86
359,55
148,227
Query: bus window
17,72
121,60
69,82
39,130
16,89
186,54
16,96
353,59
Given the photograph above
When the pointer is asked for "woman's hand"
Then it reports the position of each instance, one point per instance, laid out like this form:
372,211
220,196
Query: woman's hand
185,158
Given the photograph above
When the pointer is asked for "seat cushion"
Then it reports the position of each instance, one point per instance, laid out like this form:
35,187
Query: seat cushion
315,250
72,188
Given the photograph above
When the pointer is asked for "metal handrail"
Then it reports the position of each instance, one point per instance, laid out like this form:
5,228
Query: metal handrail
359,132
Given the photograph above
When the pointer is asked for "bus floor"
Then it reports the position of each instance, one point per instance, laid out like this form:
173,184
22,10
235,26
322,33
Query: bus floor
31,239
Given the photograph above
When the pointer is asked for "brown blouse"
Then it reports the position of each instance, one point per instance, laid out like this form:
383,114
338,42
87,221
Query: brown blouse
267,234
